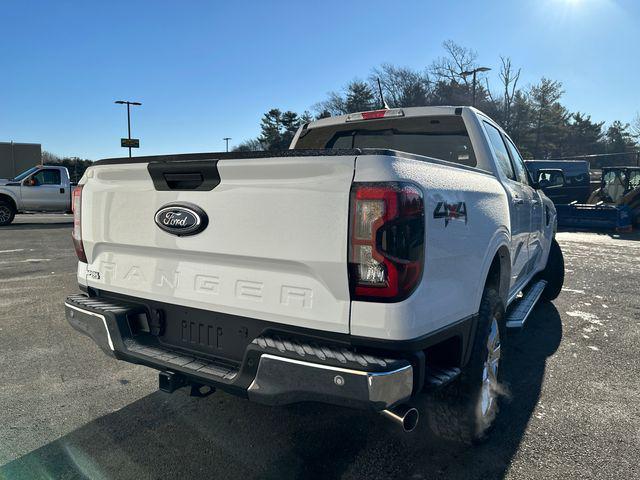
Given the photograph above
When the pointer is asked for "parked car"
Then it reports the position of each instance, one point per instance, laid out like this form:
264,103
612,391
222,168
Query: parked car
379,259
43,189
568,181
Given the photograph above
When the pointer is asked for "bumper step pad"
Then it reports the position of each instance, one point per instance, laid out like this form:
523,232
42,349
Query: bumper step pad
182,362
324,354
438,377
115,312
101,305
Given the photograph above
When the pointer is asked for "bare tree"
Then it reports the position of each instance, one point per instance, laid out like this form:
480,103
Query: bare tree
458,59
335,104
509,78
48,157
635,126
251,145
402,86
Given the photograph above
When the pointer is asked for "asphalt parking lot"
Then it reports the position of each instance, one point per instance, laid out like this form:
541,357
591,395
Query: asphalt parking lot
68,411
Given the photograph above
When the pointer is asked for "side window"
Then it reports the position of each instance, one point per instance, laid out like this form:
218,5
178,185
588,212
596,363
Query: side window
500,150
550,178
47,176
518,163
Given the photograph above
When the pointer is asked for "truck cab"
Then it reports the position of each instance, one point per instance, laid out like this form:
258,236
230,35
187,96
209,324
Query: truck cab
563,181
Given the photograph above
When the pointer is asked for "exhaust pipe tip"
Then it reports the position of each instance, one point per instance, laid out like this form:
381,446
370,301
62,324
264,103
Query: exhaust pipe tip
407,417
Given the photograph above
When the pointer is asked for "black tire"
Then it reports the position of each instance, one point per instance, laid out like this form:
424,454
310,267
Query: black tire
7,213
456,412
553,273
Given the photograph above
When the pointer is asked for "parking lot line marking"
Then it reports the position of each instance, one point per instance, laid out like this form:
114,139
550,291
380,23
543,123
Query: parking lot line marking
28,260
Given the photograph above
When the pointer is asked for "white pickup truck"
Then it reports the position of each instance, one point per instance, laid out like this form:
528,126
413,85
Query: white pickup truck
45,188
382,257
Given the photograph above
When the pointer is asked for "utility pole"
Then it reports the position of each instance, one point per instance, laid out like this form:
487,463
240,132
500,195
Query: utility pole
128,104
226,139
474,72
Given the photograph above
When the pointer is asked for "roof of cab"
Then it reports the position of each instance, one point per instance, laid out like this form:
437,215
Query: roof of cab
408,112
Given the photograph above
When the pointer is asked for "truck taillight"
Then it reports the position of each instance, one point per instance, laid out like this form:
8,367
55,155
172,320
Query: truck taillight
386,242
76,206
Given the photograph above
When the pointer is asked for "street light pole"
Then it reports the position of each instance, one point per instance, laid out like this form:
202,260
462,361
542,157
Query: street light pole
474,72
128,104
473,101
129,112
226,139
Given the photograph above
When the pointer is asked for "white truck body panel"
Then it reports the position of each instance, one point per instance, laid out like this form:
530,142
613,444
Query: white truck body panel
263,255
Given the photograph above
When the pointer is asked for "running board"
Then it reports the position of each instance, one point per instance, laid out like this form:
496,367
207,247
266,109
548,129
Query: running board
519,313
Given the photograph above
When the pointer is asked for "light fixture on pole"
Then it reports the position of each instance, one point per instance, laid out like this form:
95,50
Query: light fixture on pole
474,72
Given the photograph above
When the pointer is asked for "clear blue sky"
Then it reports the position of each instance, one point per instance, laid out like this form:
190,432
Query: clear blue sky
205,70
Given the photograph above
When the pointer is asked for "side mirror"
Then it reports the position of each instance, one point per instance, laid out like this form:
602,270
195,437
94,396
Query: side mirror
550,178
30,182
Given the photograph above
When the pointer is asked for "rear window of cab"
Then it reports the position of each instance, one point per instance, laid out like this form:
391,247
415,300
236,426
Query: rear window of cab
444,137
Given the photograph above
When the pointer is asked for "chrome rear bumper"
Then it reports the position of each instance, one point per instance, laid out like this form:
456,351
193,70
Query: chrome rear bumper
281,380
276,369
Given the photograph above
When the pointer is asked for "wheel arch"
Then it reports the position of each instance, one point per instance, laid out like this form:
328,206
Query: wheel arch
499,273
8,198
496,267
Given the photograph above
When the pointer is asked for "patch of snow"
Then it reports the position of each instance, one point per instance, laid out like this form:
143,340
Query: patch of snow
572,290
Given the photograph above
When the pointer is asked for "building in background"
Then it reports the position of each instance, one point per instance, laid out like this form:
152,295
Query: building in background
18,157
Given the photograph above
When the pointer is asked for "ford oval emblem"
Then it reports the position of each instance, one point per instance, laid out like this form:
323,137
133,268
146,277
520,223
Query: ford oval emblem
181,219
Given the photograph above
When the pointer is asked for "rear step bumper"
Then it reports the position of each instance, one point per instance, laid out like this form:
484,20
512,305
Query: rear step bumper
275,370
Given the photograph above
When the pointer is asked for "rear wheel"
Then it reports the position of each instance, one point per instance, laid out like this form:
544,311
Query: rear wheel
465,410
7,213
553,273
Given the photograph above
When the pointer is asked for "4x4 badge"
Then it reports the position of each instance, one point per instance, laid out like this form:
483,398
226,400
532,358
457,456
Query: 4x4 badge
451,211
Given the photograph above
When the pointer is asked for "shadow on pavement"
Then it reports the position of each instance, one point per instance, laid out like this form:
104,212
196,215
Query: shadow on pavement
221,436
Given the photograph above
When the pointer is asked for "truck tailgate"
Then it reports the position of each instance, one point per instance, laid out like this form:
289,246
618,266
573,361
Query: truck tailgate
275,247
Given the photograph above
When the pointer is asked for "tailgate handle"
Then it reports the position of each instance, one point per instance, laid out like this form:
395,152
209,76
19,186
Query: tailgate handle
181,175
183,181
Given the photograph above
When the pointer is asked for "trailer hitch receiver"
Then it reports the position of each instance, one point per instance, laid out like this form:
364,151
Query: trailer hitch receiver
169,382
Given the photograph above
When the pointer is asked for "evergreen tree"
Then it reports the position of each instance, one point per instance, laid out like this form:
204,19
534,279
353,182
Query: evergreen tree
270,128
549,119
584,137
619,139
360,97
278,129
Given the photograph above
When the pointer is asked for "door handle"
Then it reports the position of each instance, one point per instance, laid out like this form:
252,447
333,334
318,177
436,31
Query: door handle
61,189
518,200
535,202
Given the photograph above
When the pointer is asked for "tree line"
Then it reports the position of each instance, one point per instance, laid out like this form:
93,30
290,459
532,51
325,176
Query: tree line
533,115
75,165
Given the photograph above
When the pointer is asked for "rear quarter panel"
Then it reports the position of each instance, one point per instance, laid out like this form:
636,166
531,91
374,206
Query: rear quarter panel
458,251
